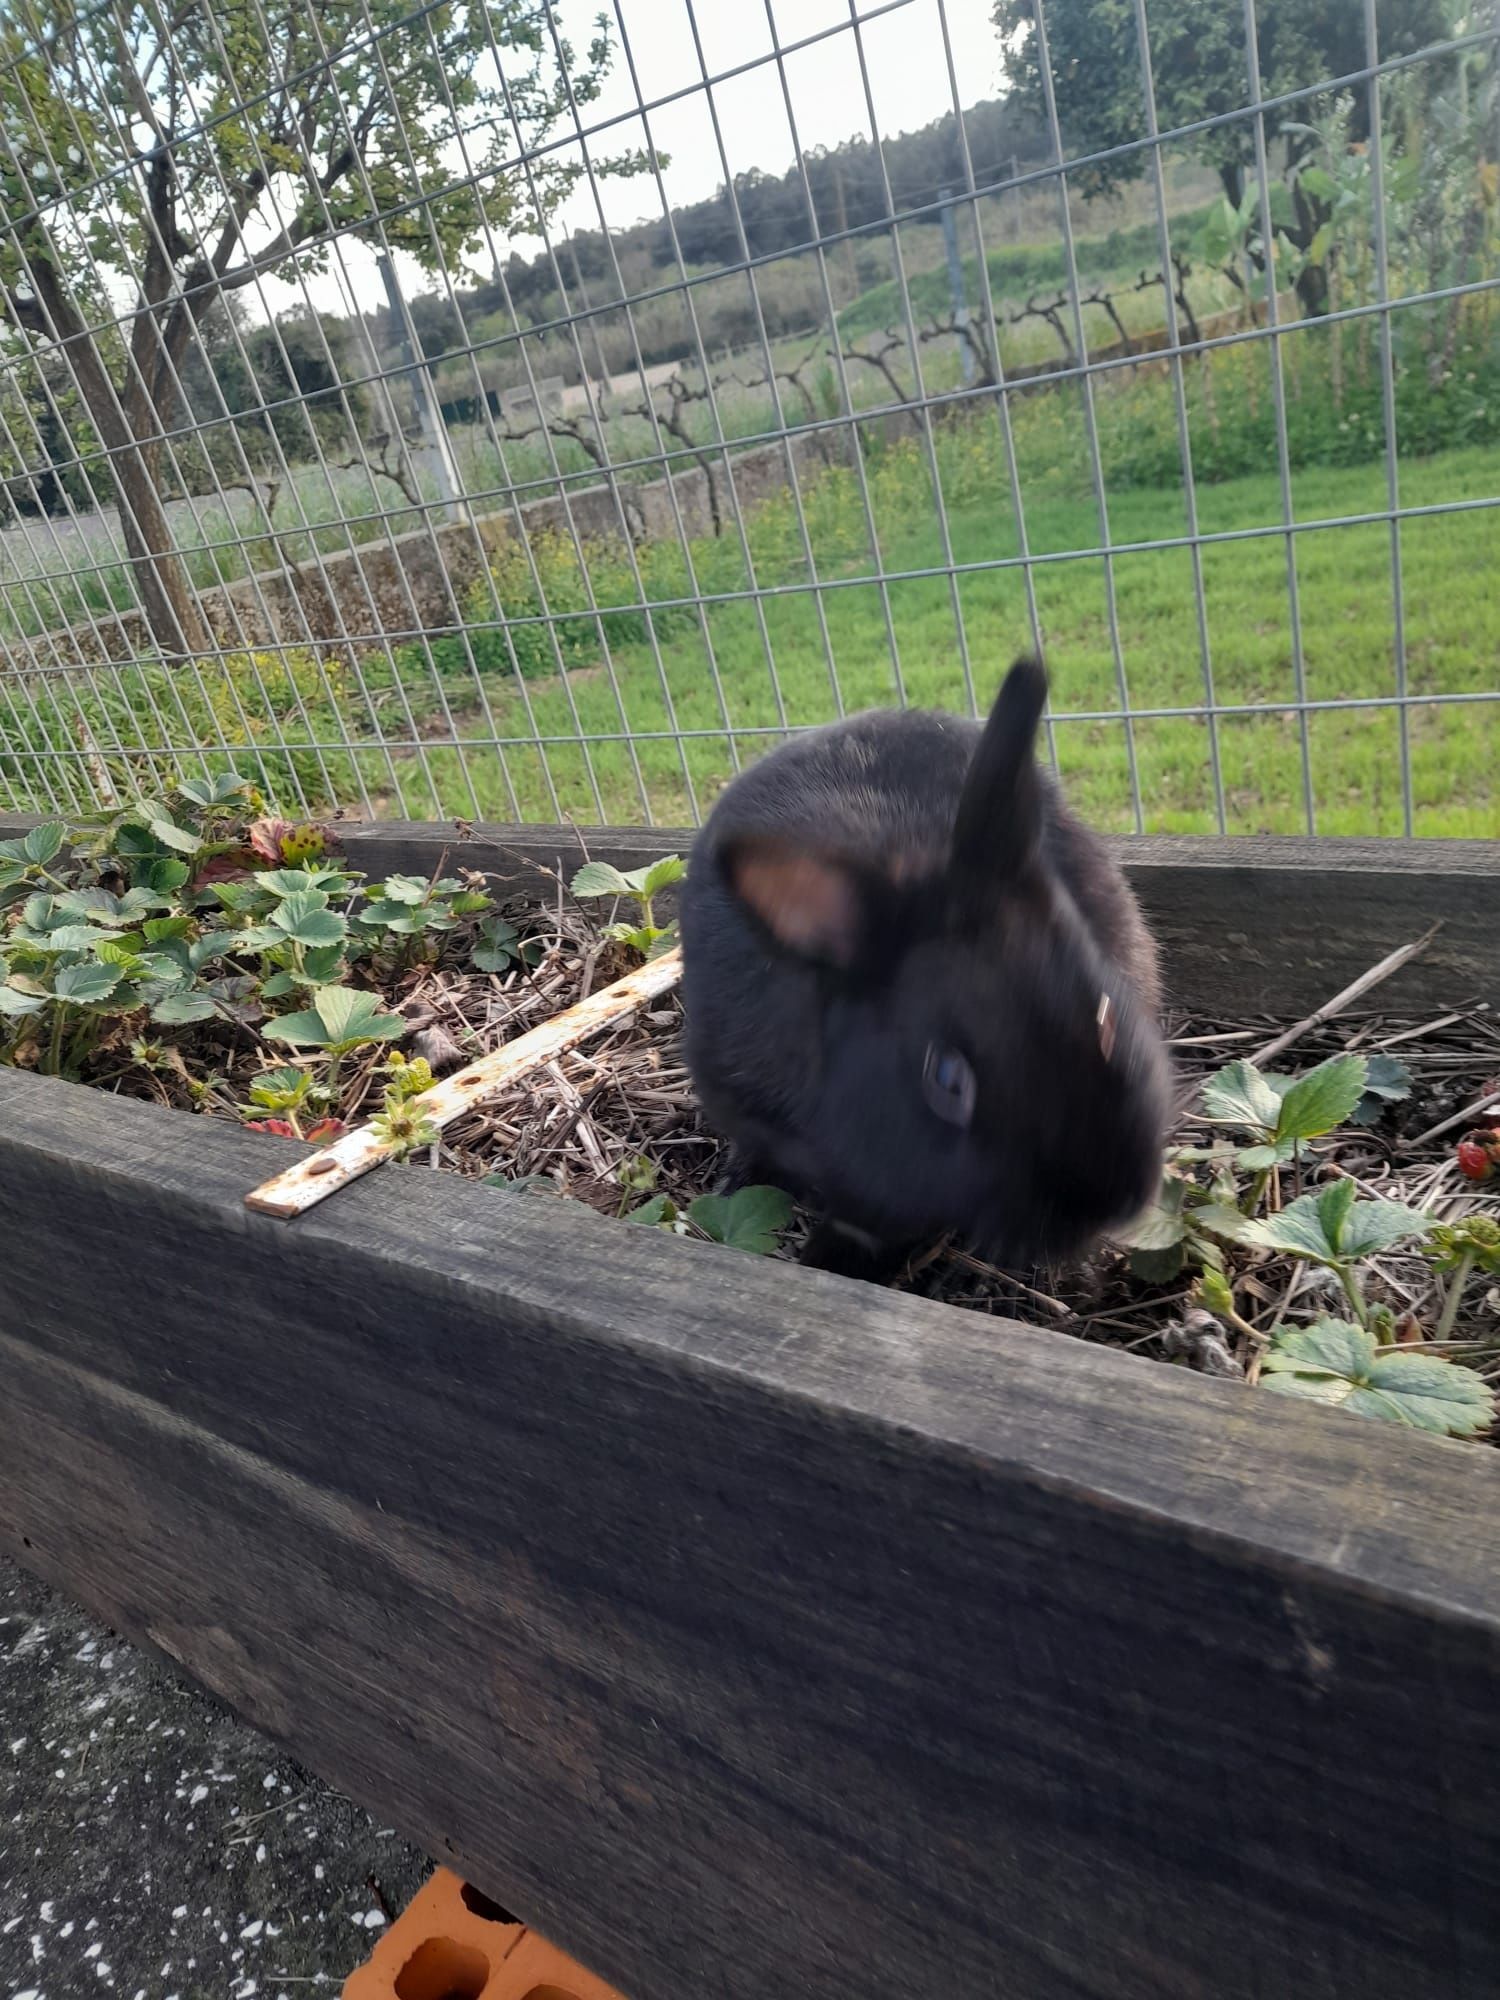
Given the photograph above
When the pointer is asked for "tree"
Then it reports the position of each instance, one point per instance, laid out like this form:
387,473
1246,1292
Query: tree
1198,60
158,156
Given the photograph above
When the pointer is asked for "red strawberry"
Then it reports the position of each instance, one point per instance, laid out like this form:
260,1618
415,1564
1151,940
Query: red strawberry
1474,1160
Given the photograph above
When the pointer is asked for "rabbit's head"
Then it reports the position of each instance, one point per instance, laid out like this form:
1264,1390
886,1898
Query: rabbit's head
984,1065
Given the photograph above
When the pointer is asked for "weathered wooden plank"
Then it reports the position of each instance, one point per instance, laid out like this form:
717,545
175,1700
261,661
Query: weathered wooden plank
749,1631
1250,925
1262,924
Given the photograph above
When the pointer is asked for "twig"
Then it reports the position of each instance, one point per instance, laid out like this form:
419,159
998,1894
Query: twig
1470,1111
1414,1034
1392,962
983,1270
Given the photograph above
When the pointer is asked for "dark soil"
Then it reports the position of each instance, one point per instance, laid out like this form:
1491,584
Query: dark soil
571,1128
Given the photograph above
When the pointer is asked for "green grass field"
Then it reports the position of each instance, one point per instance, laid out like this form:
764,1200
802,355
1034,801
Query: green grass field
424,720
1344,585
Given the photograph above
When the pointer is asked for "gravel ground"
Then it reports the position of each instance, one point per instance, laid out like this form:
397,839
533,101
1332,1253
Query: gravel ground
152,1846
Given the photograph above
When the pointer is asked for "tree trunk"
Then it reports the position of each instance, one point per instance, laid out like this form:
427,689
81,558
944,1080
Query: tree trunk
162,585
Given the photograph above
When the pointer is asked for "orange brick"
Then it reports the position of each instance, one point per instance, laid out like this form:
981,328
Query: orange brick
449,1943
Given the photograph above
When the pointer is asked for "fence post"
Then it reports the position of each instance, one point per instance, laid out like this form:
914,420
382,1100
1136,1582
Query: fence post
429,416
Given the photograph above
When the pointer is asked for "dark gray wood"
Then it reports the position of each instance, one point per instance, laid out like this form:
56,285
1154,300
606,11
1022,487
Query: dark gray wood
750,1631
1247,926
1251,925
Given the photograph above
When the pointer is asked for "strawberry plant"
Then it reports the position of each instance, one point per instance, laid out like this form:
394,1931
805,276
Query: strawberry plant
405,915
1222,1211
640,886
1336,1361
752,1218
1457,1250
340,1020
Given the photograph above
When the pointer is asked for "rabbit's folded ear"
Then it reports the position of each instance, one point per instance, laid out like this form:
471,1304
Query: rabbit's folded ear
998,828
811,902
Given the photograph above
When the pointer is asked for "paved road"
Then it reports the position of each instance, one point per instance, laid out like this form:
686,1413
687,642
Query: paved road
154,1848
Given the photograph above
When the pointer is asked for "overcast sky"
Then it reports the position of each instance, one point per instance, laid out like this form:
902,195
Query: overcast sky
905,62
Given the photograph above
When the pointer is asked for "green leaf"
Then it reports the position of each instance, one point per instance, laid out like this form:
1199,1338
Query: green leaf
1298,1229
15,1003
597,878
323,964
1255,1159
218,790
279,985
1431,1393
1323,1099
1319,183
1221,1218
37,846
1334,1204
402,918
303,1030
1161,1225
168,834
237,896
162,876
123,951
662,874
1279,201
176,1010
294,881
86,985
495,948
1332,1227
1378,1225
1329,1347
306,918
348,1016
1240,1095
660,1212
1335,1361
751,1219
73,937
1387,1081
159,930
404,889
1158,1267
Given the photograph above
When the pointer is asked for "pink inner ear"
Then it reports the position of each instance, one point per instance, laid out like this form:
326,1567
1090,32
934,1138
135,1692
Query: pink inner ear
810,904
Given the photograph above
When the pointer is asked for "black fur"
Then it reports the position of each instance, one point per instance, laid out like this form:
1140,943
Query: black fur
905,880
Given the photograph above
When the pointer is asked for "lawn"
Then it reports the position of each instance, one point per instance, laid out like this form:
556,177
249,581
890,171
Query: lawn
709,671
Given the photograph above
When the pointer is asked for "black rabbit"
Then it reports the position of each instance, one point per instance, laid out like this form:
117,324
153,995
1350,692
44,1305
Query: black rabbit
919,993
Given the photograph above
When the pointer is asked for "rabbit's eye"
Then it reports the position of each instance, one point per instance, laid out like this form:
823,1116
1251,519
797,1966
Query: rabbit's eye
948,1085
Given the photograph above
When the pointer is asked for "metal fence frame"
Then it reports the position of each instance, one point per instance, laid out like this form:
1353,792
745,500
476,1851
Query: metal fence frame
43,668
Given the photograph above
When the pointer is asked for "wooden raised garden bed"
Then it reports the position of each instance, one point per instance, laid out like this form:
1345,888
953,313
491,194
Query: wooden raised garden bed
750,1631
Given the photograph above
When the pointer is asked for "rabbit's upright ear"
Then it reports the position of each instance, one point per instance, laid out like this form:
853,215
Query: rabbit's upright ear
998,829
813,903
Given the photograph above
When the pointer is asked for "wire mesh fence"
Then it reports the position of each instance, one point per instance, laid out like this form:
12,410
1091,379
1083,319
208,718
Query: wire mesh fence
429,414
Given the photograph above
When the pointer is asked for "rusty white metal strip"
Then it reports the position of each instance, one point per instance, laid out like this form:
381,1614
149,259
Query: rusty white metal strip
313,1179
